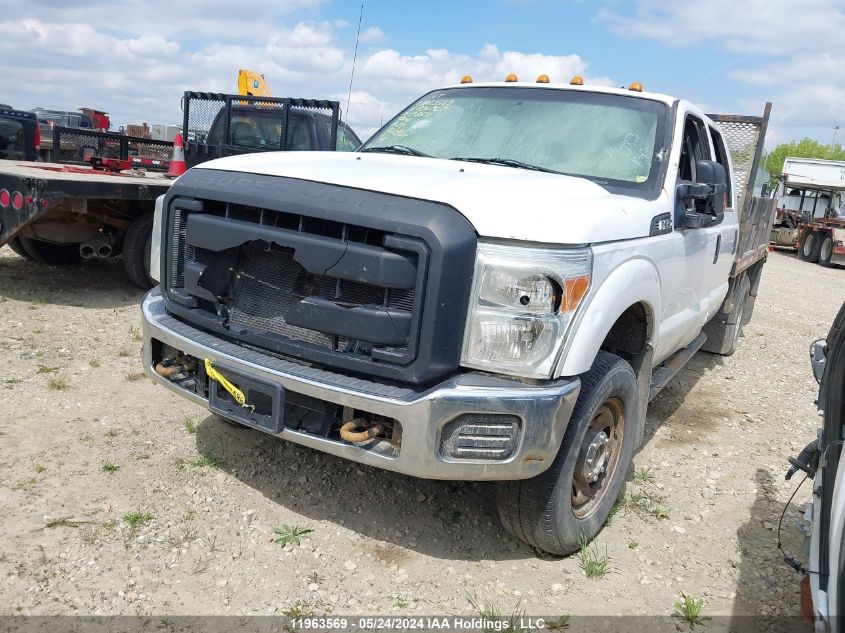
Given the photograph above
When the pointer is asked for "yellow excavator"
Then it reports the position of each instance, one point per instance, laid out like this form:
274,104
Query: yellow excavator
252,84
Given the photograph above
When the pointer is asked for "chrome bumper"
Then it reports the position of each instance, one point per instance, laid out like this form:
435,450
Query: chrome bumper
544,409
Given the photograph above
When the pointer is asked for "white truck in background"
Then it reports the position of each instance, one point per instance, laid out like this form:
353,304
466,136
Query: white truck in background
492,288
810,215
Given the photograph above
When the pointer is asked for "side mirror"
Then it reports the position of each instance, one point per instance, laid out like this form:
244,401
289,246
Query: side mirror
702,203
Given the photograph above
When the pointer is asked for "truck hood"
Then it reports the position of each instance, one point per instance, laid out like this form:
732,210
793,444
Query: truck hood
500,202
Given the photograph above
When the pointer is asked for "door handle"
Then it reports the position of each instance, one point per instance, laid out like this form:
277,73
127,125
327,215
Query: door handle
718,248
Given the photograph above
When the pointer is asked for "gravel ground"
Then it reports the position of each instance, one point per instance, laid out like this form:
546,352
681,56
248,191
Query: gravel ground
118,497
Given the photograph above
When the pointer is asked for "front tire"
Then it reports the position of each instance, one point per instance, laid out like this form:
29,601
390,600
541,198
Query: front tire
569,503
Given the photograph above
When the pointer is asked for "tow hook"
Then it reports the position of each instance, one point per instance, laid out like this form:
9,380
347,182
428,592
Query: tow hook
359,430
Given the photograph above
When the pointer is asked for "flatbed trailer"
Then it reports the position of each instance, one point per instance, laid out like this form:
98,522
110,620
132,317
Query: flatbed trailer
59,214
811,223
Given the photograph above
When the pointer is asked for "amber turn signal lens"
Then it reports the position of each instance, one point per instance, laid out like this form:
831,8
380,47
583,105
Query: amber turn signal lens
466,79
574,290
543,79
577,80
511,78
636,87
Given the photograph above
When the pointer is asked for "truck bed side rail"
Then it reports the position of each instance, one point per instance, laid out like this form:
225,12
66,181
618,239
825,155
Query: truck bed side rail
217,125
74,146
745,137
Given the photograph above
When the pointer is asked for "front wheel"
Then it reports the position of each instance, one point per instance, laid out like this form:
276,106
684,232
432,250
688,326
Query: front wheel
569,503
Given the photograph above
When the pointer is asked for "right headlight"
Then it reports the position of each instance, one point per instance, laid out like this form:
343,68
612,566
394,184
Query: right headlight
523,300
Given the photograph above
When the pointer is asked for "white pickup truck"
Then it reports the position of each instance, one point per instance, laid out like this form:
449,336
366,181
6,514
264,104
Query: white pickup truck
493,287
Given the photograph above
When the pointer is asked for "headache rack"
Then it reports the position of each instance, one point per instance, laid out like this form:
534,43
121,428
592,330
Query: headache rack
745,137
76,146
217,125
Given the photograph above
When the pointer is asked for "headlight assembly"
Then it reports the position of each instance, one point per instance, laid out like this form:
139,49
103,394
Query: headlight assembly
523,299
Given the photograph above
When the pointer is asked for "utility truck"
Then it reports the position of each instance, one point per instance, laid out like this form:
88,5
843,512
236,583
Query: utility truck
810,215
492,287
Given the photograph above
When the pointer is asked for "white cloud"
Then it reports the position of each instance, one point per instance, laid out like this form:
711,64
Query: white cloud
71,56
372,35
791,52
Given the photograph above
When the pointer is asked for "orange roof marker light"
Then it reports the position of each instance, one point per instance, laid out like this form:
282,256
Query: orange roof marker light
511,78
636,87
577,80
466,79
543,79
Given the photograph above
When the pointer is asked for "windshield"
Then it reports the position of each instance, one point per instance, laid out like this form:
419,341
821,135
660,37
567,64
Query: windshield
611,139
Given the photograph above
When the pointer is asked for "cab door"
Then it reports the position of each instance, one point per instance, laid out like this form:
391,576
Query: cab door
707,264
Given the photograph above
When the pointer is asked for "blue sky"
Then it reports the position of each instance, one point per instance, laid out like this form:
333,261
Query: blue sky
134,58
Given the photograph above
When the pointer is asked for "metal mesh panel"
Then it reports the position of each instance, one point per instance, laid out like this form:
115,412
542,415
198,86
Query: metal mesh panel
76,146
744,137
741,140
218,125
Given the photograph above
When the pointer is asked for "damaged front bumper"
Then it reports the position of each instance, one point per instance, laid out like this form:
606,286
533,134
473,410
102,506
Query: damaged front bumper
431,419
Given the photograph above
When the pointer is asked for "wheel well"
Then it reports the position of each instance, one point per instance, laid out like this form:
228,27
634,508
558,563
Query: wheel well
630,334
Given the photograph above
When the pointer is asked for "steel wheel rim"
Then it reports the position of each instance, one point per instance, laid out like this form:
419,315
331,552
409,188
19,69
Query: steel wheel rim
586,494
808,245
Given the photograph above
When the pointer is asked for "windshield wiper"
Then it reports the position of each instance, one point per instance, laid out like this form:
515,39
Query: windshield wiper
396,149
507,162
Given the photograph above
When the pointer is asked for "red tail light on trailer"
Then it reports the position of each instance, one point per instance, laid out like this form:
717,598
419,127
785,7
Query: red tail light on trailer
17,201
5,198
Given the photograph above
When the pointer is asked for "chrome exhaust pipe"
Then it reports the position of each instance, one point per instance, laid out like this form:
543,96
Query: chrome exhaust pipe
99,246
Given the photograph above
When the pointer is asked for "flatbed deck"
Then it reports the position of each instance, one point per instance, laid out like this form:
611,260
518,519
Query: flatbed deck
46,186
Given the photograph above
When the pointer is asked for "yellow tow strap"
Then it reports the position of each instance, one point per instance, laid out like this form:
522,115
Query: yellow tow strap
236,393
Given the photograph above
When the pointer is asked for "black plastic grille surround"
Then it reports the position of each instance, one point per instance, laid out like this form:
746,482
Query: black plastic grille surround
354,280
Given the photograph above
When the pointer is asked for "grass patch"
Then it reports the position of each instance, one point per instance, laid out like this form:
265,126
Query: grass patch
615,509
64,522
134,376
490,612
189,425
594,563
632,544
689,610
558,625
207,459
39,468
44,369
57,383
651,504
11,381
109,467
112,433
143,456
135,333
644,476
94,362
124,352
291,534
138,518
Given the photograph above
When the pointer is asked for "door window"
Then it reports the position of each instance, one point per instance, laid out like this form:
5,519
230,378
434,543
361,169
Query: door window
346,140
695,147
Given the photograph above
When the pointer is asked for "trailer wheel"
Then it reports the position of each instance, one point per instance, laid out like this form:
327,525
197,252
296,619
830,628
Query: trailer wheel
560,509
826,251
16,246
50,253
810,247
136,251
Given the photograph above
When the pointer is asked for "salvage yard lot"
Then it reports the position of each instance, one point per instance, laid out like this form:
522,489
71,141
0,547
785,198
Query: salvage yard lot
118,497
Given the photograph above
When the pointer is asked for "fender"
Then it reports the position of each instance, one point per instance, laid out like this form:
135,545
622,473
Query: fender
635,280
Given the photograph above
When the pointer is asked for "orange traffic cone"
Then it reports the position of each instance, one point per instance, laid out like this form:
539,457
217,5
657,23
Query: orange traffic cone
177,160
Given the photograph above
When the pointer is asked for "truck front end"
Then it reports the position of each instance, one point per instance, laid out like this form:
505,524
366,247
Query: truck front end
339,314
